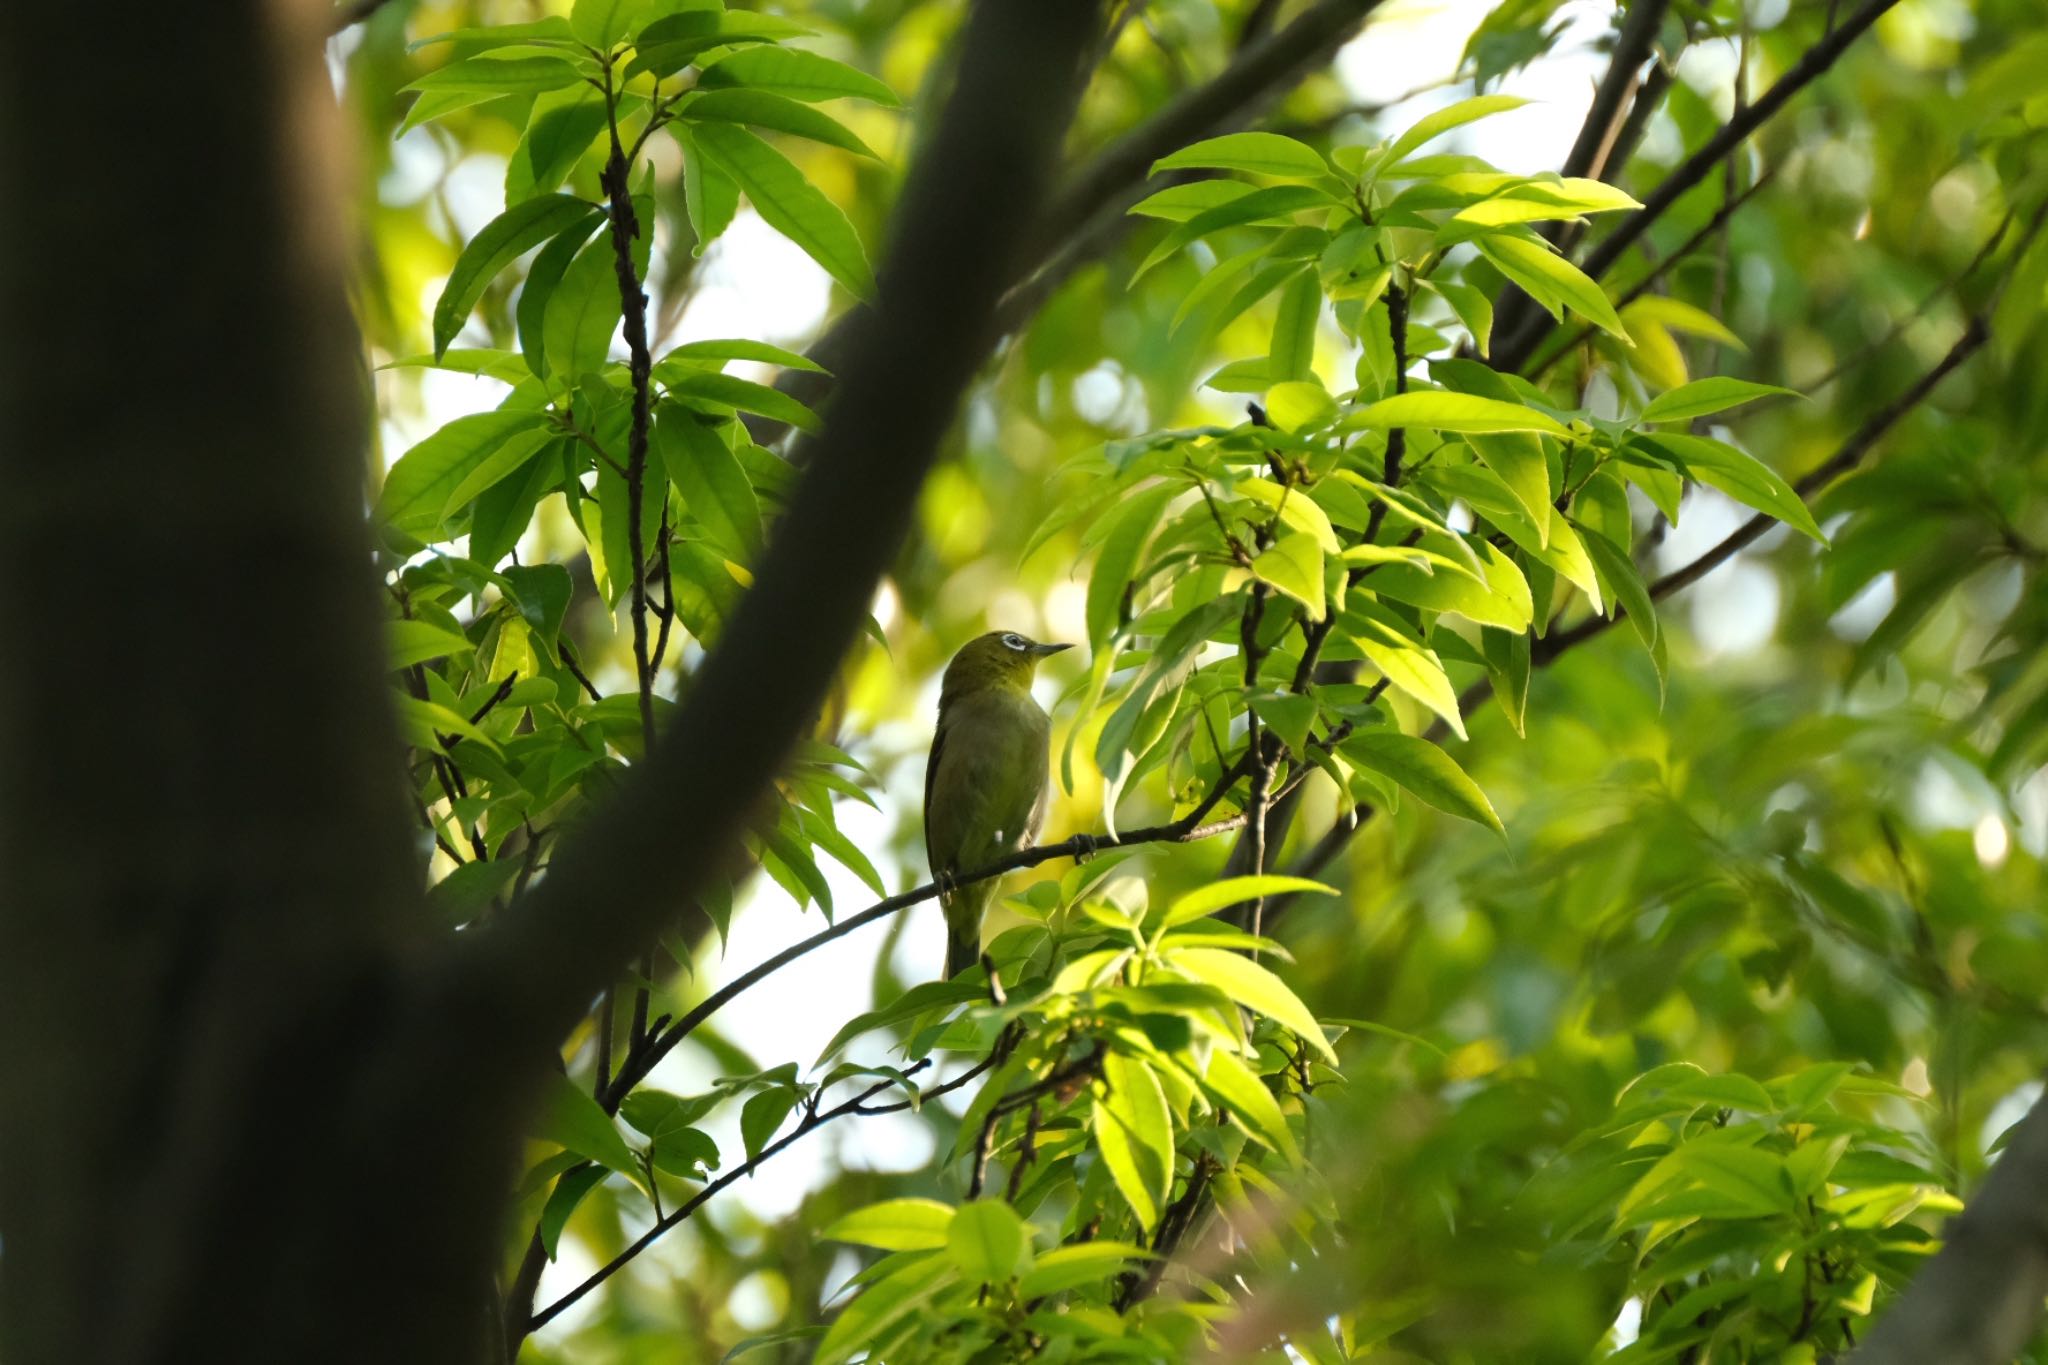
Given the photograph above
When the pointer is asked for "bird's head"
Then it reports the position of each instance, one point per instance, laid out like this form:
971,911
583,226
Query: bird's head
1001,658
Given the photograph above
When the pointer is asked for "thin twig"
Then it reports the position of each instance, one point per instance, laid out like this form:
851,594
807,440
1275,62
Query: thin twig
1818,59
625,228
812,1121
1188,829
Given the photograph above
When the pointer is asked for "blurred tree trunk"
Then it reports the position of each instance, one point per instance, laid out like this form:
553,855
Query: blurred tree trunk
249,1108
205,865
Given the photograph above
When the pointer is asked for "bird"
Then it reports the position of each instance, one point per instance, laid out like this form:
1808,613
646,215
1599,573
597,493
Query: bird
984,784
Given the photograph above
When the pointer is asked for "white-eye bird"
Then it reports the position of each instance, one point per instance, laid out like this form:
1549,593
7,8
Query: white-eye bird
984,785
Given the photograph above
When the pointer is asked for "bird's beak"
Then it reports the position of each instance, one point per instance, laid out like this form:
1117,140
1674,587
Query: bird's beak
1043,650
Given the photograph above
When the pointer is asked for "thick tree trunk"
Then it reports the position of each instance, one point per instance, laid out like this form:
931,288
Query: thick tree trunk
205,869
247,1110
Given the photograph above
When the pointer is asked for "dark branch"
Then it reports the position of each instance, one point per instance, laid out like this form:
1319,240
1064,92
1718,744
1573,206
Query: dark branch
1188,829
811,1122
1846,457
1695,168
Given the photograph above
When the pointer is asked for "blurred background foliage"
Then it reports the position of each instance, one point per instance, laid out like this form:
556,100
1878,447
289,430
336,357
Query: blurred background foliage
1819,840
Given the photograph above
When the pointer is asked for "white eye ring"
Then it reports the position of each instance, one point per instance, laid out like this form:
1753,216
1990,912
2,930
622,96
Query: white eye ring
1014,641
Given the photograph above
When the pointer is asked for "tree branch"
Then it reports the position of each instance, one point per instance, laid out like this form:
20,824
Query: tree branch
1186,830
1978,1301
1590,154
813,1121
959,231
1818,59
1846,457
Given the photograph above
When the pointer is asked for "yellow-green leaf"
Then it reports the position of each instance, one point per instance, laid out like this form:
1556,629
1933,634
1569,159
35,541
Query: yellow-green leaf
895,1225
1209,899
1253,986
1293,564
1443,410
1134,1133
1426,770
1248,1100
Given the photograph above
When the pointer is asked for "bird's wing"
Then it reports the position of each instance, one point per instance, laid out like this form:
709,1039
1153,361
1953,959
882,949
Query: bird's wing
931,774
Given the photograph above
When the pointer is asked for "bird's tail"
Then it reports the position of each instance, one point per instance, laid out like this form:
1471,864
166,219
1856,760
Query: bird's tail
962,950
963,928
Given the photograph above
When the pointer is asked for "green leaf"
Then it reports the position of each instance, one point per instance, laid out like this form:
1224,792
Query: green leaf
1426,770
786,199
1254,987
543,278
1246,1096
1704,396
415,642
542,593
489,76
604,23
1294,328
418,485
1517,457
796,73
571,1118
727,391
507,460
741,349
1300,406
1442,121
760,109
1443,410
559,131
1279,201
1134,1134
424,723
1297,510
885,1302
1552,280
1737,473
583,313
895,1225
1626,580
1293,564
1233,890
1502,600
568,1193
465,891
1473,307
671,43
1259,153
1403,659
1680,316
762,1115
1178,203
710,196
1072,1267
987,1241
1507,665
500,242
1131,528
1289,716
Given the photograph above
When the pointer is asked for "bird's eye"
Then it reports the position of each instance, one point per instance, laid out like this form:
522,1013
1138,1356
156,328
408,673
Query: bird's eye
1014,641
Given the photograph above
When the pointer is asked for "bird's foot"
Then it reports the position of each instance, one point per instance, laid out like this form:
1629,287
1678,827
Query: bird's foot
1086,846
943,879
